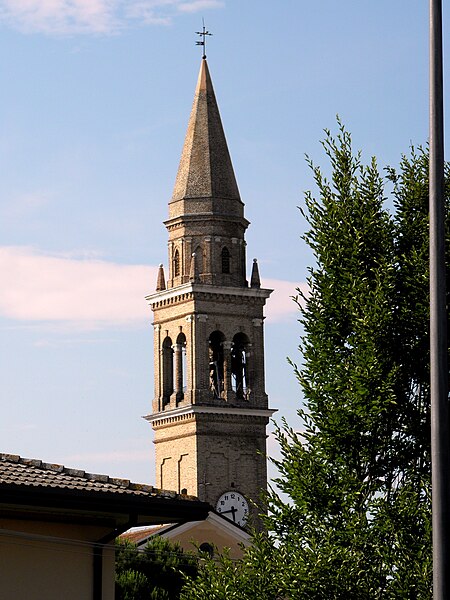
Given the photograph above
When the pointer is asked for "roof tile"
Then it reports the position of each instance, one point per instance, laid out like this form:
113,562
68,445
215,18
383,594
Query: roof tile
26,472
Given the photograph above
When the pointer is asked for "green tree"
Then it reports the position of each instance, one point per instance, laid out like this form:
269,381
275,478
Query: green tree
357,470
155,573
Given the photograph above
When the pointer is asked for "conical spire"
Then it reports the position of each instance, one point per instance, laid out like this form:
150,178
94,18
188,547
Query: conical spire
205,169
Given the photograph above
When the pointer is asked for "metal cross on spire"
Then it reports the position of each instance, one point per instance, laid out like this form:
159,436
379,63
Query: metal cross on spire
203,35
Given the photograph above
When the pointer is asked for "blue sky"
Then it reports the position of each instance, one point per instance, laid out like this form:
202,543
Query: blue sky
95,101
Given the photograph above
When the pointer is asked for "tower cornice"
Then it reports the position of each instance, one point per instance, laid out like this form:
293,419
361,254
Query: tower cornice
185,219
190,290
221,411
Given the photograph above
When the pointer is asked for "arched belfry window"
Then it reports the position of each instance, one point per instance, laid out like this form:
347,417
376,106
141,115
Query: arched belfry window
176,264
216,383
167,369
180,367
239,365
225,260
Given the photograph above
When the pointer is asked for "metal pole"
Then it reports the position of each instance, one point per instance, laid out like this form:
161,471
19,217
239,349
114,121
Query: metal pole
440,456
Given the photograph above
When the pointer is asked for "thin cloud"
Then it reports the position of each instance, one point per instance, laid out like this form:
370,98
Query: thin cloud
281,306
198,5
60,16
22,427
68,17
95,293
91,293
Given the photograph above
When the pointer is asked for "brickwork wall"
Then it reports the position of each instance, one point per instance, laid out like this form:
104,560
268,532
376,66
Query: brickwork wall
231,451
208,454
176,455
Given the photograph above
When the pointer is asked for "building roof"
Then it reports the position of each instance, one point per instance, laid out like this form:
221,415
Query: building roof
205,169
55,488
29,472
138,535
141,535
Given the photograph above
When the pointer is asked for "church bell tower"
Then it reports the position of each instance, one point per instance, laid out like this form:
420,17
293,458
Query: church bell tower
210,408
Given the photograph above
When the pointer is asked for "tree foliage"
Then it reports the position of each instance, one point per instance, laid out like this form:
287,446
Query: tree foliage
155,573
357,471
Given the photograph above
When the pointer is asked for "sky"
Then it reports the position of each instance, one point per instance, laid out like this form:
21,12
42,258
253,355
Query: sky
94,106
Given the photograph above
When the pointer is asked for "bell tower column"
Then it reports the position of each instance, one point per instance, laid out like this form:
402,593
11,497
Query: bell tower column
227,387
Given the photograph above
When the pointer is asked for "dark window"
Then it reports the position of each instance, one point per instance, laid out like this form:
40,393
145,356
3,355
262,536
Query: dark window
167,360
180,367
176,264
207,549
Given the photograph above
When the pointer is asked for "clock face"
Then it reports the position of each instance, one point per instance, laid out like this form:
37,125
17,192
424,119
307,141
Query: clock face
234,507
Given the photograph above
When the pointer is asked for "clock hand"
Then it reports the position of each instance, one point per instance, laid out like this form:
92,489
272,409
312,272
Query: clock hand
233,511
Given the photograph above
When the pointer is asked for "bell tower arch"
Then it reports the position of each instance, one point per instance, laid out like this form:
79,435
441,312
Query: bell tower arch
210,409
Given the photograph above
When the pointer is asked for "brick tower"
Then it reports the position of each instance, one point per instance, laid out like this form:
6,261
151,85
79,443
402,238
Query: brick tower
210,409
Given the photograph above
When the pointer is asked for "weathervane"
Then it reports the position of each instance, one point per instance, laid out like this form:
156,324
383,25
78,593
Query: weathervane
203,35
